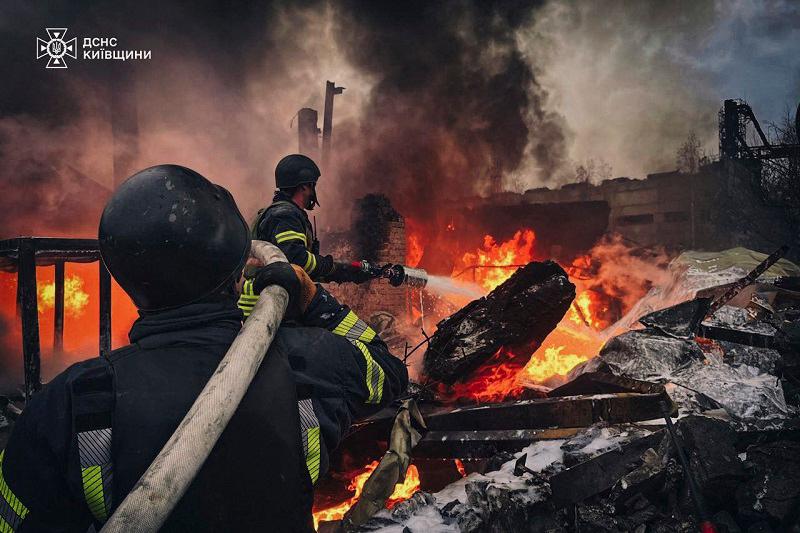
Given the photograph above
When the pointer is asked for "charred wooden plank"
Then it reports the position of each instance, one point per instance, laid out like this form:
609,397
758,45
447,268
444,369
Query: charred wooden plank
483,444
29,307
570,411
519,313
105,308
58,311
605,383
48,251
600,473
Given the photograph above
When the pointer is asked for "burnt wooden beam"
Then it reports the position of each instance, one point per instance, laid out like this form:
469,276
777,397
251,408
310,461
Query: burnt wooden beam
605,383
461,432
49,250
599,473
58,309
105,309
483,444
565,412
29,309
739,336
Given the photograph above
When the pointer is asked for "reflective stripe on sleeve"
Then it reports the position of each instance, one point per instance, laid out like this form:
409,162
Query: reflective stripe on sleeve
92,478
12,510
248,298
290,236
375,375
353,328
94,451
310,437
311,263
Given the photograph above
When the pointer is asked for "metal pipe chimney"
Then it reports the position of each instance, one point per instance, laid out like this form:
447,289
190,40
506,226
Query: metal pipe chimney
331,90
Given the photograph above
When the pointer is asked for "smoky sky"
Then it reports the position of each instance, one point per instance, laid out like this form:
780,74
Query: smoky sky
444,99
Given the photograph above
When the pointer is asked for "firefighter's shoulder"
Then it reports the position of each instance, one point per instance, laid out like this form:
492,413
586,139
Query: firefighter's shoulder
48,414
284,208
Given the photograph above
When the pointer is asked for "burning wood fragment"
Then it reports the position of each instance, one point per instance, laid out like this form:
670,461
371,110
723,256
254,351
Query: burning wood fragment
519,313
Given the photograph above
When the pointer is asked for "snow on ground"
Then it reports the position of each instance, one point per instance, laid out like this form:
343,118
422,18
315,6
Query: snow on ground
541,454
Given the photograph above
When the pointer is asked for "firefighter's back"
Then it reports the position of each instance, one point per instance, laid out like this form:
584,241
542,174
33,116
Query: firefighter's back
255,477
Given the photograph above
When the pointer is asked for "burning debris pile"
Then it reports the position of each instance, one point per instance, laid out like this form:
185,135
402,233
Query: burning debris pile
687,419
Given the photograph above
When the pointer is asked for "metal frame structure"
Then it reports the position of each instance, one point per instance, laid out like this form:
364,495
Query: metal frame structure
23,255
733,119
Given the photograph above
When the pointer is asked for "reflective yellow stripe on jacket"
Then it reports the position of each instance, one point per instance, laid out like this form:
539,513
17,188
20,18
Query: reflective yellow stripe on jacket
358,332
94,451
309,433
311,263
290,236
353,328
248,298
12,510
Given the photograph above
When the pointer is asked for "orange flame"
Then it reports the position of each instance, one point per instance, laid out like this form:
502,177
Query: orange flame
402,491
495,381
75,298
413,249
491,265
460,468
551,362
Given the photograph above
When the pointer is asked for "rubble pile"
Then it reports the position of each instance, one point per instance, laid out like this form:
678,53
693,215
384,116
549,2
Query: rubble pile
730,381
623,481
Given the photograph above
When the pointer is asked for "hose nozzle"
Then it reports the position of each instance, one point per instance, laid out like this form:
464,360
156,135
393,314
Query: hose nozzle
403,275
396,274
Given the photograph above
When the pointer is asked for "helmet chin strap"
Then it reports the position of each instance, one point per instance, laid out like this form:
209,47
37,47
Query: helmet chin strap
312,202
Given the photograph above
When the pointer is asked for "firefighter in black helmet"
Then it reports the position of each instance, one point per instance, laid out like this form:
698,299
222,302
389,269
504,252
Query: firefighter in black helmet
177,244
285,222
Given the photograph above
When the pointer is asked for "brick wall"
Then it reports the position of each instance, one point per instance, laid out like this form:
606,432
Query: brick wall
373,297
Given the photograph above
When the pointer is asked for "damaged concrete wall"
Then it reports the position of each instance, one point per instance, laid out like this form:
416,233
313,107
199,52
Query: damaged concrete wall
716,208
667,208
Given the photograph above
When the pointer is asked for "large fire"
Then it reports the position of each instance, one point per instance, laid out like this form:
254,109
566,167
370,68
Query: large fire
576,338
81,318
402,491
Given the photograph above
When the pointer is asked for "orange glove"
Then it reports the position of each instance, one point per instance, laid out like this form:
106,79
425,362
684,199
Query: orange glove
308,289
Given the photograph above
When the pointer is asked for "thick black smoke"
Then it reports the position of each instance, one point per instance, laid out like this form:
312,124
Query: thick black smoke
450,111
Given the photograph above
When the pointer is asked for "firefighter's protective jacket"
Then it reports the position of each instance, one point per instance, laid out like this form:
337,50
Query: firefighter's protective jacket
285,225
83,442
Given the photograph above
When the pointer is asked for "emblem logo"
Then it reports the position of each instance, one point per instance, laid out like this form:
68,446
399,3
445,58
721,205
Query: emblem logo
57,48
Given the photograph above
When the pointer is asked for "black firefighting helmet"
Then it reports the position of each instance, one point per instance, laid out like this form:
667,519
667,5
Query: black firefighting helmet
294,170
170,237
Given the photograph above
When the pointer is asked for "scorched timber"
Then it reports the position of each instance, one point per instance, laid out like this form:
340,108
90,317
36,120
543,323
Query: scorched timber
519,313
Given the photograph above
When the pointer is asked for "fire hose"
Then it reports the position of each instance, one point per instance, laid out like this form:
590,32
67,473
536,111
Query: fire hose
161,487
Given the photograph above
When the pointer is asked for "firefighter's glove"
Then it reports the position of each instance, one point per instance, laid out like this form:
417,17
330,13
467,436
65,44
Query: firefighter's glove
308,289
347,273
281,274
